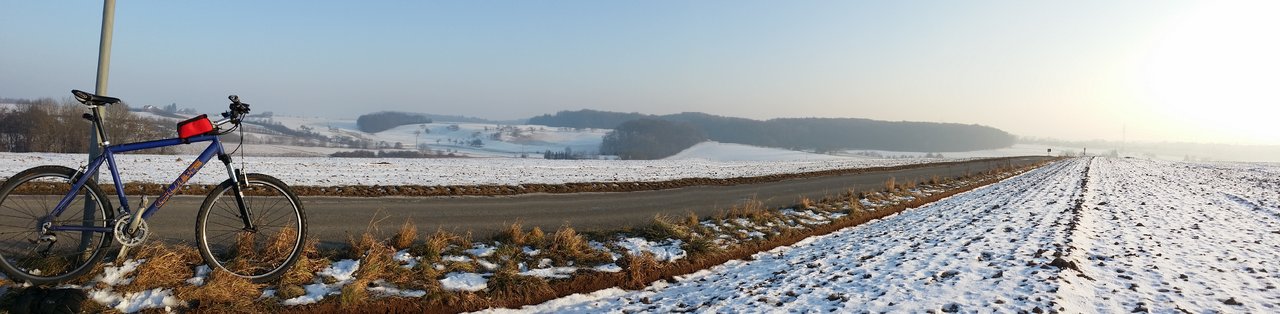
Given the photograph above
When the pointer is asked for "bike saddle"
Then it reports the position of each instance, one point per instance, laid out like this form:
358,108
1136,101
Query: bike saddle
87,98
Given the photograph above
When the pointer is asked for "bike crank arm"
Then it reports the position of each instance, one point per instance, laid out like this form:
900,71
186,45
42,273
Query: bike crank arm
131,231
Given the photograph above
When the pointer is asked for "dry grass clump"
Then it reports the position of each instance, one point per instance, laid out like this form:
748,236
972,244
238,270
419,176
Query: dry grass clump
354,294
692,220
755,211
507,286
437,243
700,245
638,268
222,292
376,262
166,266
568,246
806,203
405,236
303,271
909,185
514,235
663,227
537,238
891,184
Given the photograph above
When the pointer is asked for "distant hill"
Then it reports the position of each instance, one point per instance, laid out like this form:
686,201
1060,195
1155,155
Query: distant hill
386,120
813,134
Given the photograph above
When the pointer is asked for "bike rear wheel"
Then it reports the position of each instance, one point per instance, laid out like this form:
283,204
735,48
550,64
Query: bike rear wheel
38,255
269,249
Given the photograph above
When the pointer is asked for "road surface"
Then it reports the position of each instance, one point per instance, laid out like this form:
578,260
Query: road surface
332,219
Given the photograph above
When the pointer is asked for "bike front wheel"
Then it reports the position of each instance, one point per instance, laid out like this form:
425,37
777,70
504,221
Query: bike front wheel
40,248
266,250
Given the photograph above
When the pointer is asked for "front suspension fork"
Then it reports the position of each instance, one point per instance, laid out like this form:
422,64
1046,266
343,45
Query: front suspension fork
238,181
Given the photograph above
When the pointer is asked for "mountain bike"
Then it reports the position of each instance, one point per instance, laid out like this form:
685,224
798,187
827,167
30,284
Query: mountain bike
56,222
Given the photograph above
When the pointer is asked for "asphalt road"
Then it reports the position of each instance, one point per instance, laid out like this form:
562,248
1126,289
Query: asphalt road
332,219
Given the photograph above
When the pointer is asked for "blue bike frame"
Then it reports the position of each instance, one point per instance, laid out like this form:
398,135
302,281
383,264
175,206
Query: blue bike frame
108,155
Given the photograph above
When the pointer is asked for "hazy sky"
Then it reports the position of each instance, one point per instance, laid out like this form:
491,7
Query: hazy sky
1162,70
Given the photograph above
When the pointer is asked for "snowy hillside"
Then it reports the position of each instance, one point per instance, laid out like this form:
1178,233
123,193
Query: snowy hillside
469,139
1147,236
738,152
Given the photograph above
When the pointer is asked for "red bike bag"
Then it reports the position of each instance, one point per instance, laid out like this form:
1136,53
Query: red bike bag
193,127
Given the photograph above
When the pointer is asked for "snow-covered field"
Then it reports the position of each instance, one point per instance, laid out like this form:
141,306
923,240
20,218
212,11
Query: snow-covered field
1151,236
1172,237
738,152
326,171
452,136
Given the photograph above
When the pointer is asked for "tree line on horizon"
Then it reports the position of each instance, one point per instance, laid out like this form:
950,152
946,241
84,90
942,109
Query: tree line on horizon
48,125
808,134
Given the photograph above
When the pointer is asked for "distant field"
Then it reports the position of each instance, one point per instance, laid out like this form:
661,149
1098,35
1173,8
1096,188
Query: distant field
325,171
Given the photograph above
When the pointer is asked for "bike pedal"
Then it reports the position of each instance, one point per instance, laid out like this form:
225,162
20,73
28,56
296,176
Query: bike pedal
142,203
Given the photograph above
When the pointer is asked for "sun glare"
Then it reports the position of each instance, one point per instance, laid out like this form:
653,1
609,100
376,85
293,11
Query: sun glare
1215,75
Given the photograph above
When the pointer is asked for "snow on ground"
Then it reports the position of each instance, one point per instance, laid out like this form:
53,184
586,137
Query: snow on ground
1153,236
131,302
1175,237
738,152
340,272
464,282
978,250
326,171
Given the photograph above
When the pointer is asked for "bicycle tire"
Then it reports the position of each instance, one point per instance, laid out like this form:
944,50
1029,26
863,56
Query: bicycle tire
222,245
18,211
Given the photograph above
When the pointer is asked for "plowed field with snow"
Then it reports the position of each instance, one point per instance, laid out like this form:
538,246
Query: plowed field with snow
1080,235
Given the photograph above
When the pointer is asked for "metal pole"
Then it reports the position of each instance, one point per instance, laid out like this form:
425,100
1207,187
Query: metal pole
100,88
104,52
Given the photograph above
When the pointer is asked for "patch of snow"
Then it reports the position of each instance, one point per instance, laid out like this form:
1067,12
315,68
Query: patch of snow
482,250
202,273
464,282
667,251
118,275
381,287
314,293
456,259
553,272
340,271
136,301
530,251
486,264
406,259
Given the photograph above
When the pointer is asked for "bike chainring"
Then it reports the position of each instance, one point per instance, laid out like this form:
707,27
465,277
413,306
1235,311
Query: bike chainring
122,234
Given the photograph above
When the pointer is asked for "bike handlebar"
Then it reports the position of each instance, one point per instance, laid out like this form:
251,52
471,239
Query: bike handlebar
237,109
